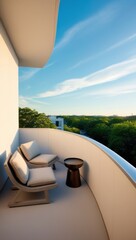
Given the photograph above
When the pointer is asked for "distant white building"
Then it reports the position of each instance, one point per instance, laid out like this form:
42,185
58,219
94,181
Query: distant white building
58,121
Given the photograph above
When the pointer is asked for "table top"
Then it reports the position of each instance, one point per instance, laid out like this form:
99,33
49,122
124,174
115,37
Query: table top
73,162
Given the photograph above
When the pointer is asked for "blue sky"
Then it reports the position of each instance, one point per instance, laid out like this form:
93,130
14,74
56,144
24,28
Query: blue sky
92,69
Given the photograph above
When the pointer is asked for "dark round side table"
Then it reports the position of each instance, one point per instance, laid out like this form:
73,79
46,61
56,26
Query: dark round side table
73,176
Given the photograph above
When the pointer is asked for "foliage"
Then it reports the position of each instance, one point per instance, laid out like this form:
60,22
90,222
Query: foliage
29,118
118,133
100,133
123,140
71,129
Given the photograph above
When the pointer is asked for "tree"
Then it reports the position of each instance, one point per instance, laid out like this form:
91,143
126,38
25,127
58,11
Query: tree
113,120
71,129
123,140
29,118
100,133
117,133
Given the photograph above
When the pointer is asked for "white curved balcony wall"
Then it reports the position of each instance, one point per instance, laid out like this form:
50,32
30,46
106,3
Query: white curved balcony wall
114,191
8,101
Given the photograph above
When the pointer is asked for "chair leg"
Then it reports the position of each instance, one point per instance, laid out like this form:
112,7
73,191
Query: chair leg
14,187
14,201
46,193
19,203
53,166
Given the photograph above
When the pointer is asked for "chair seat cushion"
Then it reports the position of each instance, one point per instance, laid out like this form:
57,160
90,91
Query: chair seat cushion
30,149
41,176
43,159
19,167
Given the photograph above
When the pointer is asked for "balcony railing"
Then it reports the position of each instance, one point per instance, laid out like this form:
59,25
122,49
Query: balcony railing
111,179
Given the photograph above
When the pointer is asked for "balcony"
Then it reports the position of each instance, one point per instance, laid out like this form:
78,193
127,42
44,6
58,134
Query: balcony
72,214
102,208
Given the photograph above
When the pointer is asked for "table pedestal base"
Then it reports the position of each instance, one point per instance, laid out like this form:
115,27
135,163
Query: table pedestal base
73,178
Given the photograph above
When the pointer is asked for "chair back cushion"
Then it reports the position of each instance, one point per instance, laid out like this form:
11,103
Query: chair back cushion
19,167
30,149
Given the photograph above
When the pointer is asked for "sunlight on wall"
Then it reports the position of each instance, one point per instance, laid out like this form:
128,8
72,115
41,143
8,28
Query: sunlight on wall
8,101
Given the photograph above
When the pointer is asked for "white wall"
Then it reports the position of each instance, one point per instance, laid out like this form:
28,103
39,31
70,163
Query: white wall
8,101
114,191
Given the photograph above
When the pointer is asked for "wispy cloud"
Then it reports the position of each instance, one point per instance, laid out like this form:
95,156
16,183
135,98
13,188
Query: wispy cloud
31,72
120,43
114,46
25,101
91,23
49,65
114,91
27,74
78,64
111,73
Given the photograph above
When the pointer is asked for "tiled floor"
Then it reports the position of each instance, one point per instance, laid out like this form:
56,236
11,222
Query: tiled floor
72,215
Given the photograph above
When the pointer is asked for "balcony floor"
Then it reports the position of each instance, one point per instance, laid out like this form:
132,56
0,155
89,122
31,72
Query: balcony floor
72,215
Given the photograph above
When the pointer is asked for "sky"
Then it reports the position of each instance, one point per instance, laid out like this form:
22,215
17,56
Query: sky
92,68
